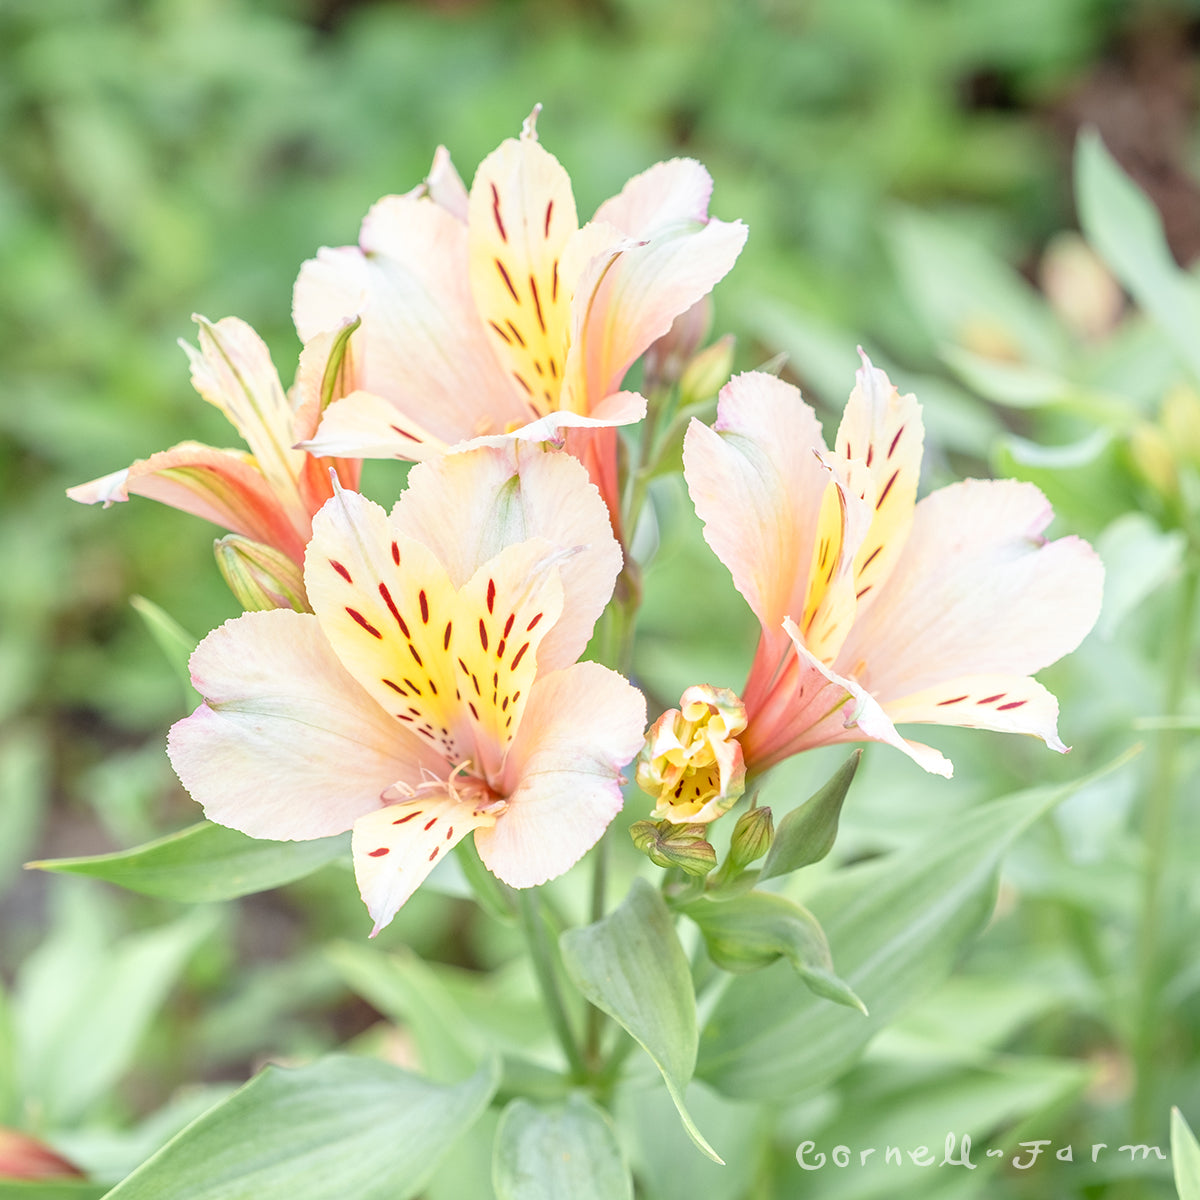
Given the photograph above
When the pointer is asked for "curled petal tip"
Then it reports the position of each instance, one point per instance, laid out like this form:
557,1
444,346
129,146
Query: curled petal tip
529,125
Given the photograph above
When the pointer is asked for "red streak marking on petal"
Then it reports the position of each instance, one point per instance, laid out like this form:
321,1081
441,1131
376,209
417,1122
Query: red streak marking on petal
509,624
431,823
435,853
449,833
496,213
887,487
849,452
507,281
533,622
521,380
862,592
553,368
474,710
424,603
396,553
402,820
537,304
956,700
413,651
379,853
466,669
516,697
416,712
992,699
1010,704
895,441
500,332
554,284
517,657
412,685
549,210
357,616
870,453
337,566
412,437
432,686
504,705
491,598
387,599
500,649
482,633
404,717
870,557
446,639
394,686
516,333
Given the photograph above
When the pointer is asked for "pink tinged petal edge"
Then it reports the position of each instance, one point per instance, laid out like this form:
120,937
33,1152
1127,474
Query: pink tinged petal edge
466,508
396,847
620,408
444,186
422,342
976,591
582,726
221,486
677,190
756,483
860,719
287,745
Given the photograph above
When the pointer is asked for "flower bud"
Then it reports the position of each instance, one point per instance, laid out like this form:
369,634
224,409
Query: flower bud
1181,421
259,575
752,837
708,372
23,1157
692,762
1153,458
1080,288
669,845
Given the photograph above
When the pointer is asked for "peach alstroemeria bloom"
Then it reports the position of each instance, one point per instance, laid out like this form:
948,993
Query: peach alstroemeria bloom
270,494
435,692
495,312
877,610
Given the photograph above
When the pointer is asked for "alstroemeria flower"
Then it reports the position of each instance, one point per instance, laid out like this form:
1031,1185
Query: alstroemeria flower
435,693
494,312
270,494
877,610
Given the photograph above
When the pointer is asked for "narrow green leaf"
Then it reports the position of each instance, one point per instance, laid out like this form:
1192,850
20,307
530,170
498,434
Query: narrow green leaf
1125,229
807,833
333,364
751,931
173,640
567,1151
896,926
1185,1157
341,1127
631,966
52,1189
202,863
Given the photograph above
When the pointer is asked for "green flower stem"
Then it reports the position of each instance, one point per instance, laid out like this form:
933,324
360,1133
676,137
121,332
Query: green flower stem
1157,831
546,968
595,1020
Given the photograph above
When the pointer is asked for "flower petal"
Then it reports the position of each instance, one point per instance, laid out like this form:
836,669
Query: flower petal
423,347
364,425
757,485
287,745
467,507
976,591
884,431
397,846
444,186
1005,703
222,486
677,190
563,773
522,214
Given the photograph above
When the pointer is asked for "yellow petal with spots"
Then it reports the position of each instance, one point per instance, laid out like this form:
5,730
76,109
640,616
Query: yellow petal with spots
520,217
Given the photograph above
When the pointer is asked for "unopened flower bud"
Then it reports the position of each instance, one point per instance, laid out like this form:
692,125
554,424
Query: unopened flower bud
708,372
259,575
23,1157
667,358
1153,458
752,837
692,762
668,845
1080,288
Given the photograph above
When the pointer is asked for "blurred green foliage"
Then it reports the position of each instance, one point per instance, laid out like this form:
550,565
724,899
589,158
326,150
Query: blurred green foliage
902,165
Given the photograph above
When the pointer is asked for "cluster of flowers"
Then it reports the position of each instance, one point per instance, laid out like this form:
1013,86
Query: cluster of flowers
413,676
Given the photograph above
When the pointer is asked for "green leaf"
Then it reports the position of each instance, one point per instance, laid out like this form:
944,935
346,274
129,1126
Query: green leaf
1138,558
52,1189
751,931
807,833
631,966
1185,1156
204,862
173,640
340,1127
405,989
333,364
547,1154
896,926
1126,230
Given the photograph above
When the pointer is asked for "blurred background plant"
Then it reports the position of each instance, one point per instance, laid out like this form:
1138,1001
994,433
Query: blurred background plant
906,170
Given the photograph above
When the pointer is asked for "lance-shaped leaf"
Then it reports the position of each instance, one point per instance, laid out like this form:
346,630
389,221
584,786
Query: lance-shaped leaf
341,1127
751,931
202,863
807,833
1185,1157
896,927
546,1154
631,966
